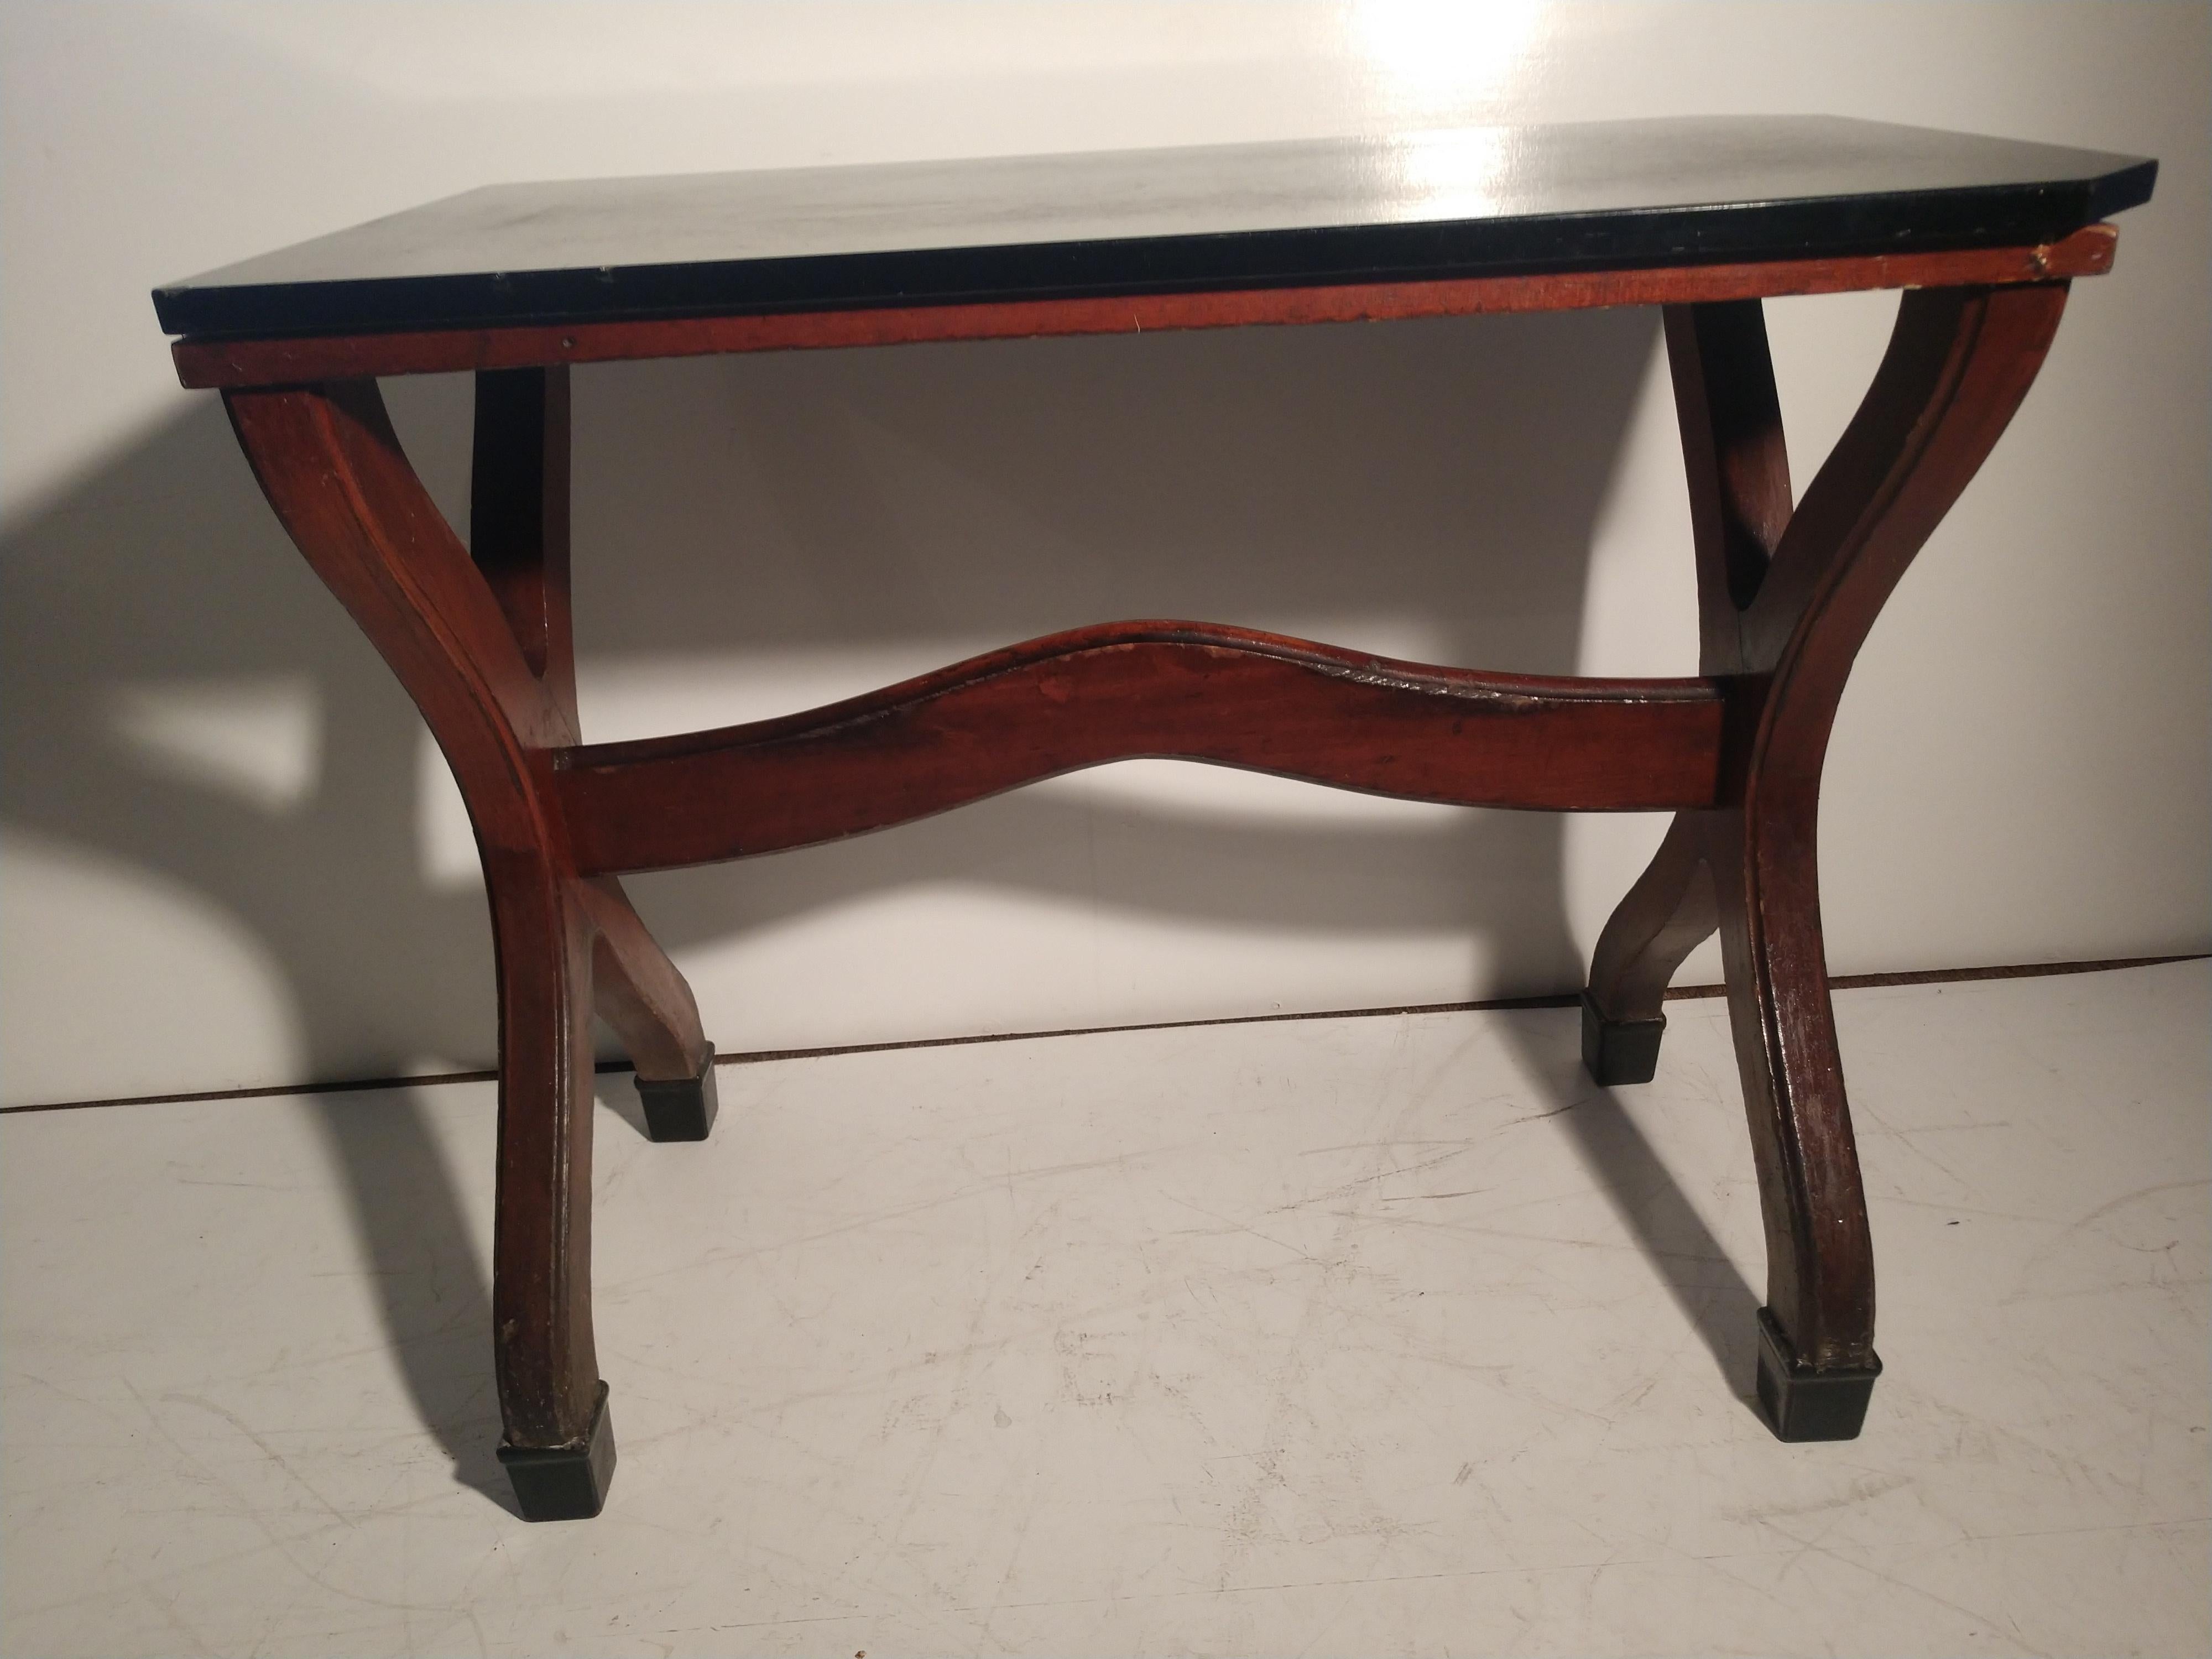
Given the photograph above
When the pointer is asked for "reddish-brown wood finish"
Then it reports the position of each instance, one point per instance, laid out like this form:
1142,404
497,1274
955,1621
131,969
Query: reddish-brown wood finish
1125,690
237,362
1784,632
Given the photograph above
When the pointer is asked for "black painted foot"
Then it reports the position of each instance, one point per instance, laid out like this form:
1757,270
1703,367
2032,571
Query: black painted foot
683,1109
1800,1403
564,1483
1620,1050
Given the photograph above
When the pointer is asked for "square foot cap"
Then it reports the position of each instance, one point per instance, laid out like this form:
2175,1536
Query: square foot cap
564,1483
1800,1403
1620,1050
683,1109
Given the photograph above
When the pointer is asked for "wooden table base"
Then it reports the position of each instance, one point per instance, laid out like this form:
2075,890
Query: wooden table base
1786,598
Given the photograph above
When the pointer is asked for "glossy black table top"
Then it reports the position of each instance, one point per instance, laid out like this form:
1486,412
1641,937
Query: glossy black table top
1470,202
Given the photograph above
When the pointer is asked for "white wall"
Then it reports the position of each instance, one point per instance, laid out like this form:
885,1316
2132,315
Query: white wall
232,857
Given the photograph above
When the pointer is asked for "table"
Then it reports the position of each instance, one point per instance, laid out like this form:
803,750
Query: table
1705,218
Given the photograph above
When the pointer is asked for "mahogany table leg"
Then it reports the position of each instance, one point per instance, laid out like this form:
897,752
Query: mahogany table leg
329,462
1738,467
642,996
519,539
1957,365
559,1446
1667,914
518,516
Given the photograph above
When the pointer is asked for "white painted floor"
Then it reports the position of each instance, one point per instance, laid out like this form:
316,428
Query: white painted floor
1355,1336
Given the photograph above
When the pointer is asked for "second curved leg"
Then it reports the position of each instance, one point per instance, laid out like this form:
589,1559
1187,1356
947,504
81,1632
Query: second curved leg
640,993
518,540
1667,914
1738,470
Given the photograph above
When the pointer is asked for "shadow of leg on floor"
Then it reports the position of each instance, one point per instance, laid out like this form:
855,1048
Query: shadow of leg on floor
1696,1268
430,1277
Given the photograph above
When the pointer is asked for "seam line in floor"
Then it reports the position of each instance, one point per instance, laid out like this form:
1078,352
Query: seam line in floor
1563,999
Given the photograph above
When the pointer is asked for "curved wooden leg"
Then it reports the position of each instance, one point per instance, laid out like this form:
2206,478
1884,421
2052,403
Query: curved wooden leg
1785,599
642,996
329,462
559,1449
518,539
1957,365
1667,914
1819,1250
1738,469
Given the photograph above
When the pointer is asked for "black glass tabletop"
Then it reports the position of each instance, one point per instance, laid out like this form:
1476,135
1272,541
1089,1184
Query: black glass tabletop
1410,206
